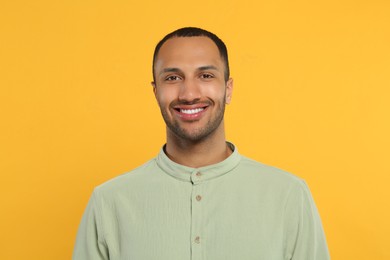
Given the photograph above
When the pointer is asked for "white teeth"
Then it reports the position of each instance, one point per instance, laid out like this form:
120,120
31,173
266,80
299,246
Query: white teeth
191,111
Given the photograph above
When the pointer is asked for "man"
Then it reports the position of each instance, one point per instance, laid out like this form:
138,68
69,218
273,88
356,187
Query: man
199,198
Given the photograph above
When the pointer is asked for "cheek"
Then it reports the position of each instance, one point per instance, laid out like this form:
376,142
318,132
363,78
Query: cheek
165,96
215,92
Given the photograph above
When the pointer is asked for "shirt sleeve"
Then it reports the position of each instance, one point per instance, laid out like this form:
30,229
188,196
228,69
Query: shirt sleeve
305,238
90,244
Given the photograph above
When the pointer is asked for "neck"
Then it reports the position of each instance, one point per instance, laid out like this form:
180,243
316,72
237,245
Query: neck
211,150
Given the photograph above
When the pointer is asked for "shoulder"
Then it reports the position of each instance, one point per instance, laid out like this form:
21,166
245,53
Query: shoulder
129,180
275,181
265,172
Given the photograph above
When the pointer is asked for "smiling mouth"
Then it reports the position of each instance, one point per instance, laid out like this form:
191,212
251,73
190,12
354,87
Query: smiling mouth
191,111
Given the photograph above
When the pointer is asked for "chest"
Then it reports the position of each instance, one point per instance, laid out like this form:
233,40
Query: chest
213,220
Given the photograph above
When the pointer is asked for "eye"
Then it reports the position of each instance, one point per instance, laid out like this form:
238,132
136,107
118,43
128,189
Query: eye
206,76
172,78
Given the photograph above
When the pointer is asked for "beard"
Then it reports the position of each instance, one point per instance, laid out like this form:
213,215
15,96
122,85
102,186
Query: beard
200,133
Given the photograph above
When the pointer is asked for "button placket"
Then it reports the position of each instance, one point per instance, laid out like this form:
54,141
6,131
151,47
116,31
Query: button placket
196,220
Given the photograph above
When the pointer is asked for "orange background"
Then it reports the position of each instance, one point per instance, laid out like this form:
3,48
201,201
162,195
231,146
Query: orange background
311,96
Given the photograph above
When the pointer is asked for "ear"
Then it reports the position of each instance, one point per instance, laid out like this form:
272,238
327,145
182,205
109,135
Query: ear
229,90
154,87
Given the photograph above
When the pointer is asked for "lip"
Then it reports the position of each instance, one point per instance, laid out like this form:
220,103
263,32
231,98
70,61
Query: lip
190,117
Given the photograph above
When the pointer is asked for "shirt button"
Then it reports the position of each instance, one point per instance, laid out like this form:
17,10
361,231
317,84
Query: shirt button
198,174
198,197
197,239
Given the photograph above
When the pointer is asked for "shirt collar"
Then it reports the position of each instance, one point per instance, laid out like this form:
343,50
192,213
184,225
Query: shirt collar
198,175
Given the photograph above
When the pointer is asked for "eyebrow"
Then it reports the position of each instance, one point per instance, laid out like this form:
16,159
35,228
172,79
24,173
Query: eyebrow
202,68
165,70
209,67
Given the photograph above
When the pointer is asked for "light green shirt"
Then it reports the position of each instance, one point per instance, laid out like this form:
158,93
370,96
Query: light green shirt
235,209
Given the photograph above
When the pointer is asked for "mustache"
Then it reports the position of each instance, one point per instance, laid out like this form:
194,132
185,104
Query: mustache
192,102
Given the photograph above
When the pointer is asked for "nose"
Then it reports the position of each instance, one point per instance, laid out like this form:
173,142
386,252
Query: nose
189,91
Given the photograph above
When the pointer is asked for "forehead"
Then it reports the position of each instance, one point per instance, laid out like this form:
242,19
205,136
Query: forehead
192,50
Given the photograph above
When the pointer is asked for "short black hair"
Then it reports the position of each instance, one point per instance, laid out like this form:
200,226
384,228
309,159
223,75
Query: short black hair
195,32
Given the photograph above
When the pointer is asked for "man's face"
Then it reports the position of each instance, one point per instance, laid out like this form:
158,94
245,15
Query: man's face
190,87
